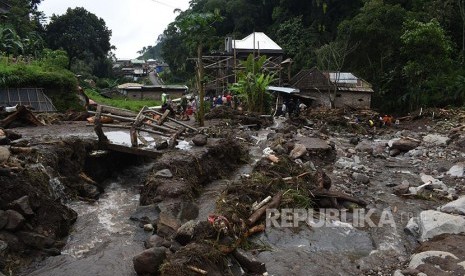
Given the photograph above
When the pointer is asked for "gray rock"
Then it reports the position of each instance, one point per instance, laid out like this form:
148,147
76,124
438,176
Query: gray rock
3,247
435,139
279,149
401,189
15,220
422,258
161,144
412,227
165,173
361,178
35,240
354,140
149,261
454,207
156,241
344,163
394,152
433,223
146,214
185,233
365,146
298,151
22,205
4,154
89,191
148,227
415,152
309,166
457,170
3,219
403,144
189,210
200,140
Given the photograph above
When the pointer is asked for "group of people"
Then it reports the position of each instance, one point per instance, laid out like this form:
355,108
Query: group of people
383,121
292,108
180,109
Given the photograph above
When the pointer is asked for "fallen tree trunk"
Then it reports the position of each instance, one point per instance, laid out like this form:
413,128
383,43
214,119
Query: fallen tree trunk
21,114
248,263
338,196
260,212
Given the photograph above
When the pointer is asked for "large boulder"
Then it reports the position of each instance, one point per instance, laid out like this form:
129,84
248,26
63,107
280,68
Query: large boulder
435,139
403,144
454,207
432,223
458,170
149,261
15,220
22,205
200,140
35,240
436,263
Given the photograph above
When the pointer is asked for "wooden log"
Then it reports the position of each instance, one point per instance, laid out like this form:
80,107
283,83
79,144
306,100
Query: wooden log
98,126
165,126
174,137
198,270
118,111
260,212
172,120
126,119
138,128
251,265
22,113
226,249
152,153
163,117
137,123
338,196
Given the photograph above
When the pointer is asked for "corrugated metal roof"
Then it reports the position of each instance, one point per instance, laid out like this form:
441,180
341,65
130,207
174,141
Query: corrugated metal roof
342,77
129,84
287,90
262,42
137,61
34,97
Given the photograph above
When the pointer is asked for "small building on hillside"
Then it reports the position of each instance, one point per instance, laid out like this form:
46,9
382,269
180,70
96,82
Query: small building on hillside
319,86
153,92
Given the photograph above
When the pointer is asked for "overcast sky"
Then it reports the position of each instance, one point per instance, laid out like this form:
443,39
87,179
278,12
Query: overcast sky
134,23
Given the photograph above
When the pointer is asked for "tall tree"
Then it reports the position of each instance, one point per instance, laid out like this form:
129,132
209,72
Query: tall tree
332,57
427,51
80,33
198,29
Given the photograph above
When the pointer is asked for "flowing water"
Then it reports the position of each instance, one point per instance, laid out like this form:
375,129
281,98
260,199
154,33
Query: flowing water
103,240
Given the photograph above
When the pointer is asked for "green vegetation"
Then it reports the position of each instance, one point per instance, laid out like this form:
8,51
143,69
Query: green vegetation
251,85
120,102
412,51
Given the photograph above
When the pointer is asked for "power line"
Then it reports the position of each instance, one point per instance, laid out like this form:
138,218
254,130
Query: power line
164,4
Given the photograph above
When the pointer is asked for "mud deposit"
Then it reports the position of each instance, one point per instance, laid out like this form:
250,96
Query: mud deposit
73,210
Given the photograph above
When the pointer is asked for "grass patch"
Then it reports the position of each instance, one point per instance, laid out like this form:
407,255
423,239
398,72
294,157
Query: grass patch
134,105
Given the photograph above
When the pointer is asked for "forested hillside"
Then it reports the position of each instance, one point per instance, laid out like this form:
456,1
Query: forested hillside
412,51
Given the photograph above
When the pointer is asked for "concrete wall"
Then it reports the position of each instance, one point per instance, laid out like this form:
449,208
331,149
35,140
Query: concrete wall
153,95
353,99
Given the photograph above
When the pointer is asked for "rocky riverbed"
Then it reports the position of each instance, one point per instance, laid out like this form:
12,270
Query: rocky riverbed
409,180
